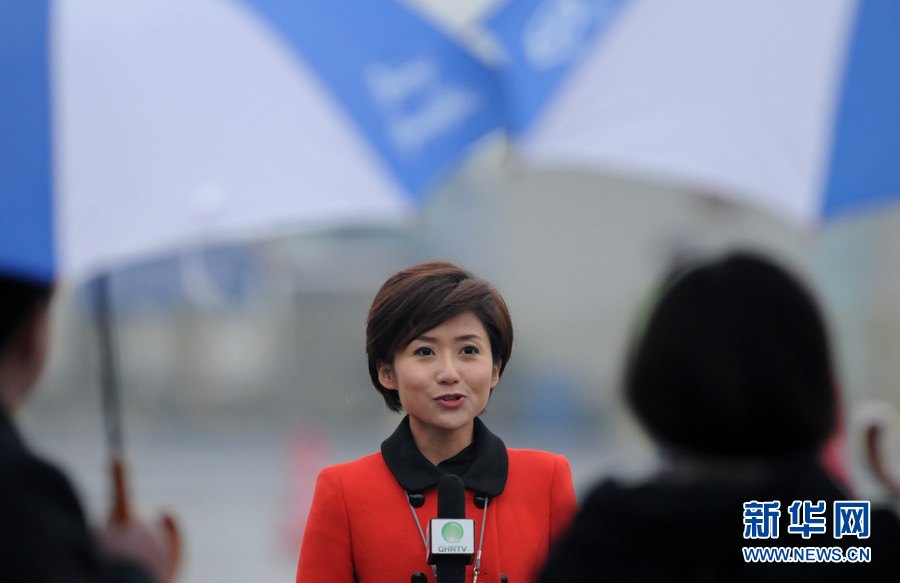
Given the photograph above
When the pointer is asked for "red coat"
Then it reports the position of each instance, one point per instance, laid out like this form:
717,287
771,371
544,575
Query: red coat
361,528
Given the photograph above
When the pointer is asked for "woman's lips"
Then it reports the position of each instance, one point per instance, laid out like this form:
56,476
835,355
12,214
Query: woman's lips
451,401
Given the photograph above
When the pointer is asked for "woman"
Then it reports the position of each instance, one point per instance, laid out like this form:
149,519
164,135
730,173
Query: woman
437,342
731,375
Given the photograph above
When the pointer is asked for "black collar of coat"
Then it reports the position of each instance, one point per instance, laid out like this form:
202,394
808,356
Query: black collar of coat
412,470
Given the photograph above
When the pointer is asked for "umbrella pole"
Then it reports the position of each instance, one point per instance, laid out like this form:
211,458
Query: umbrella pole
112,421
110,392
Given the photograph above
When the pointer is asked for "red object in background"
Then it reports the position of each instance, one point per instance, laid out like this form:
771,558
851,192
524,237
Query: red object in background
834,454
307,455
834,457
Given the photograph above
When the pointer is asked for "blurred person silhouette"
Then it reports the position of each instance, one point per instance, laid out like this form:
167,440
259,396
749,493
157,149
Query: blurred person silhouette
44,536
437,341
730,373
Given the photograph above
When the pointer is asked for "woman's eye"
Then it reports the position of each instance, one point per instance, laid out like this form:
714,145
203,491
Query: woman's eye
470,350
423,351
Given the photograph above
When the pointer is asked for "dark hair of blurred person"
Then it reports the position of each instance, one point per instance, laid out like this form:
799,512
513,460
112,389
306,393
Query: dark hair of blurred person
44,536
437,341
418,299
19,299
23,329
727,345
730,373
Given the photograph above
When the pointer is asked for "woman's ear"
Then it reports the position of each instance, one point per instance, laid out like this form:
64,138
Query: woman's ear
495,375
386,376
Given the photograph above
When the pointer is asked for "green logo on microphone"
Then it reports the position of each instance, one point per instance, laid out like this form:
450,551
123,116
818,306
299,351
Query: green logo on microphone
452,532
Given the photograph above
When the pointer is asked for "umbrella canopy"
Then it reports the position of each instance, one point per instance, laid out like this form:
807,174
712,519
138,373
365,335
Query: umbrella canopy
794,106
128,128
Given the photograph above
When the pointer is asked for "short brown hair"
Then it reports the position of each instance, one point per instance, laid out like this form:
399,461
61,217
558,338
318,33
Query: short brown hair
420,298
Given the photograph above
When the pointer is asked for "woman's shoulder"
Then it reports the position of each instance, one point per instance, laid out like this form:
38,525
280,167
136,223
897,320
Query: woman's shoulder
366,469
361,465
531,457
542,480
534,463
354,483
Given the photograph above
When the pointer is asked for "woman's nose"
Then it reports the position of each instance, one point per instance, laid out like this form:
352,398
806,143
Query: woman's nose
447,371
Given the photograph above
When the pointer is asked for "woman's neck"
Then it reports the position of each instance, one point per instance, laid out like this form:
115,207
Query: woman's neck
438,444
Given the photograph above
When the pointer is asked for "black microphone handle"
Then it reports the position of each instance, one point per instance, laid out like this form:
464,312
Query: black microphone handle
451,504
451,497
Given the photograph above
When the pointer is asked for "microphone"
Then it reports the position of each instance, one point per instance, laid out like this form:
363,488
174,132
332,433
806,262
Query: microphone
451,536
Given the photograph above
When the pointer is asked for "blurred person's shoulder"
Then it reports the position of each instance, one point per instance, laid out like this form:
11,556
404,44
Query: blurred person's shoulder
25,476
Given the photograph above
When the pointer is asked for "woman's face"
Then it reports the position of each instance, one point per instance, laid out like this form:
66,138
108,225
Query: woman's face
445,376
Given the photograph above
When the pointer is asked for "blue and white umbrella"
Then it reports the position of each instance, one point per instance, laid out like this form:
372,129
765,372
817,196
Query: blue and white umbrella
133,127
794,106
129,127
